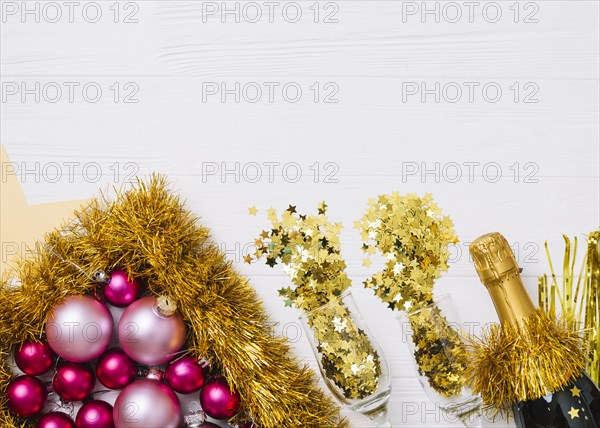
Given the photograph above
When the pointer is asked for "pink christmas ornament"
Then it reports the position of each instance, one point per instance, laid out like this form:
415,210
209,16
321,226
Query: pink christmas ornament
73,381
25,395
34,358
95,414
147,403
79,328
151,331
218,400
185,375
115,369
55,420
120,290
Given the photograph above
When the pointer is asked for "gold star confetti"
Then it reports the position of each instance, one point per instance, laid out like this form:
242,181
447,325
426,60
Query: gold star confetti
308,247
252,210
248,258
366,262
575,392
413,236
574,413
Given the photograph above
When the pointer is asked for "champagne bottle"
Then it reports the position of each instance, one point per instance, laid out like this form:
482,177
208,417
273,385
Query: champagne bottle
577,403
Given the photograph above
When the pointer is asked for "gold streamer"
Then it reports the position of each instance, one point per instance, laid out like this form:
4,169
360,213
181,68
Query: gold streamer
579,303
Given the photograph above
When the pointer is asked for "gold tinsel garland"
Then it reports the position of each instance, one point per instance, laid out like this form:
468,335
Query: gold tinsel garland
148,232
578,297
513,363
413,236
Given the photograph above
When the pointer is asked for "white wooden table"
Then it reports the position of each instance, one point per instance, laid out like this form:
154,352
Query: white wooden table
490,106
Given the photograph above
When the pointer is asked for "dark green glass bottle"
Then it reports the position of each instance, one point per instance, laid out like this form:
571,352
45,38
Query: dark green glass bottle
577,405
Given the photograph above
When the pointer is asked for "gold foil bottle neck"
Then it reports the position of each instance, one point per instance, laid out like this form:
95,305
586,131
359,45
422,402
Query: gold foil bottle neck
493,258
499,272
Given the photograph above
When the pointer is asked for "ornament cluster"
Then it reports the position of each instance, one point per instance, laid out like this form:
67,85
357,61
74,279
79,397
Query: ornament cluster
145,362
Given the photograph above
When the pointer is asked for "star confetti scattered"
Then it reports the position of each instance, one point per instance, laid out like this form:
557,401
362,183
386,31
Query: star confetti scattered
252,210
413,236
308,247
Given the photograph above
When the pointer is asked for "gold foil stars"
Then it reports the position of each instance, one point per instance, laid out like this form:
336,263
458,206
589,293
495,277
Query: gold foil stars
308,247
413,236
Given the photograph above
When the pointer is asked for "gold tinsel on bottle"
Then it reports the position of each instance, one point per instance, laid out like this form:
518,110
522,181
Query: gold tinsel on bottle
148,232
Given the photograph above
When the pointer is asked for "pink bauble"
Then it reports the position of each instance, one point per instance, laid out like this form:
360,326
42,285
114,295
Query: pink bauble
120,290
147,403
95,414
148,336
73,381
55,420
185,375
79,328
34,358
218,400
25,395
115,369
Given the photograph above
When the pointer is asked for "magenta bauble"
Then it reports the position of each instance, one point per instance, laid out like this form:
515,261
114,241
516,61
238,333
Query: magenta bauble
55,420
25,395
218,400
79,328
115,369
73,381
149,336
185,375
120,290
34,358
147,403
95,414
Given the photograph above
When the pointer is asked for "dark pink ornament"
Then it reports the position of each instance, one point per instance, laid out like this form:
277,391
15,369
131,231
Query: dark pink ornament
95,414
218,400
185,375
120,290
115,369
73,381
55,420
25,395
34,358
209,425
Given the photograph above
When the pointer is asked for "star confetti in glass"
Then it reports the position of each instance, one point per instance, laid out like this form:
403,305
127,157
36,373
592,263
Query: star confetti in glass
308,247
413,236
